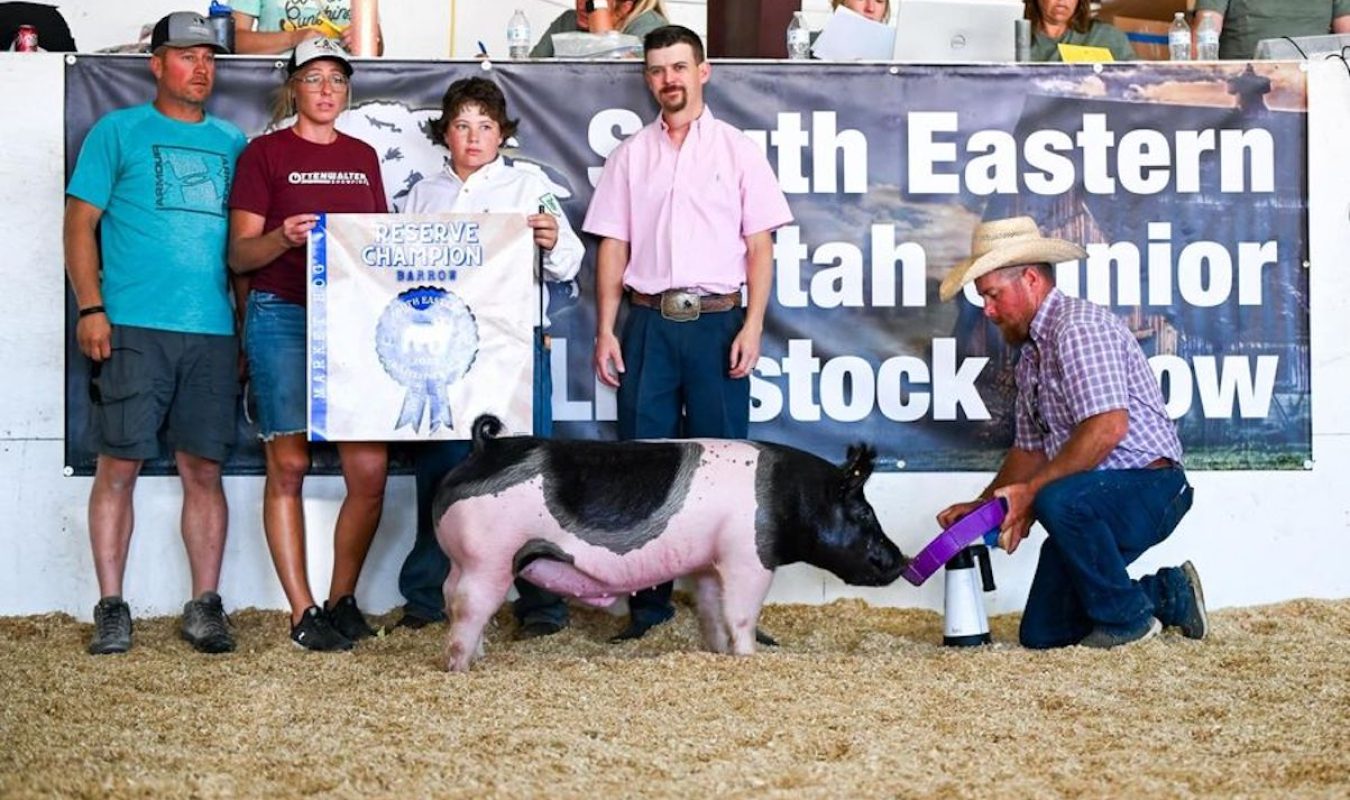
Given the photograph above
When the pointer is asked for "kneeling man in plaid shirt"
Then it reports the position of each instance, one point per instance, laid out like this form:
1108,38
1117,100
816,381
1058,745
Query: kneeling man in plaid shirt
1095,458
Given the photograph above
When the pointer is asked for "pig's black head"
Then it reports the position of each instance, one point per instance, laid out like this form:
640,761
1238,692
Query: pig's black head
832,526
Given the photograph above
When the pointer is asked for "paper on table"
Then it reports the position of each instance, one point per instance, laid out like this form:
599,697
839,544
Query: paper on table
850,36
1078,53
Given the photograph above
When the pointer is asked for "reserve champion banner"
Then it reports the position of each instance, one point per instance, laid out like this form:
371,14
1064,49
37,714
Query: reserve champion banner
1187,183
418,323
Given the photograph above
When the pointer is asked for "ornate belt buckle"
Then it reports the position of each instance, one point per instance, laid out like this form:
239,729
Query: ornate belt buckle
679,305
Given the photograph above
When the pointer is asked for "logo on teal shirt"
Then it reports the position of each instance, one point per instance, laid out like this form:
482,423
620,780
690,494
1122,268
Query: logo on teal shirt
187,179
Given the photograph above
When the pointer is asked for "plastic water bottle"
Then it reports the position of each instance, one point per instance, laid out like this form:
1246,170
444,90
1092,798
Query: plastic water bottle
1179,38
221,19
518,36
798,38
1207,39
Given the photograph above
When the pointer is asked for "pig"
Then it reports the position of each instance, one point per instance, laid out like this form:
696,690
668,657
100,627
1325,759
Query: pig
599,520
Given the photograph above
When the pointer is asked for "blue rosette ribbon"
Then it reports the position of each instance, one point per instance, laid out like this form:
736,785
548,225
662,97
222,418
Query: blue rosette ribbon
426,339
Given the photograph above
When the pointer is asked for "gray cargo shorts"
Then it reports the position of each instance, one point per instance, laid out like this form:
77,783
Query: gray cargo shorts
184,383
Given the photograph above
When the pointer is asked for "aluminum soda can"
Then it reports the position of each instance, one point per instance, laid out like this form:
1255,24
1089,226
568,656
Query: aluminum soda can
26,40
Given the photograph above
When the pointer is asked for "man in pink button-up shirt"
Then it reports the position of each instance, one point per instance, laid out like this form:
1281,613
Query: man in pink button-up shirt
686,208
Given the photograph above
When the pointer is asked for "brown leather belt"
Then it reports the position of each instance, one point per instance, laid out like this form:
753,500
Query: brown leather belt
1160,463
682,305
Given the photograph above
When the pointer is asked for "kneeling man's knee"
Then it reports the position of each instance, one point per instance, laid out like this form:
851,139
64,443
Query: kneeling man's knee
1054,504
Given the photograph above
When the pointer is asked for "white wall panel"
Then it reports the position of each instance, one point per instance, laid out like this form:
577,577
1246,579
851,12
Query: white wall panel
1257,537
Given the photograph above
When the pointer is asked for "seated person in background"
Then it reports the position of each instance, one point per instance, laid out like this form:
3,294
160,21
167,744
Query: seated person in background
1243,23
1056,22
875,10
283,24
633,17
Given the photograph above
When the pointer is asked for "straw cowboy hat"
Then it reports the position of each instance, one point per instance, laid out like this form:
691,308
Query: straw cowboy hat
1002,243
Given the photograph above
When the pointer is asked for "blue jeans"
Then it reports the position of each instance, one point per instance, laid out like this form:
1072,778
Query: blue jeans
676,385
1098,523
422,578
274,340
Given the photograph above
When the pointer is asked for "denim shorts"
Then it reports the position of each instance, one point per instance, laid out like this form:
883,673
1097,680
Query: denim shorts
182,383
274,340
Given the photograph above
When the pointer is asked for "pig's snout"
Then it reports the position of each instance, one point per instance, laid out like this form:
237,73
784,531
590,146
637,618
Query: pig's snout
886,563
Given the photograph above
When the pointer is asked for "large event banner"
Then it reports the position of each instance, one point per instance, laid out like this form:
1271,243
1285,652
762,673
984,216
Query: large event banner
1187,183
418,323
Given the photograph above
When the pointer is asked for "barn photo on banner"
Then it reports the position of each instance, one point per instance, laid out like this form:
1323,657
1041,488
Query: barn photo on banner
1187,183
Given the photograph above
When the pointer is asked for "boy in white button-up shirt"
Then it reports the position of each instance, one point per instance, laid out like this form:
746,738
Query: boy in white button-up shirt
478,179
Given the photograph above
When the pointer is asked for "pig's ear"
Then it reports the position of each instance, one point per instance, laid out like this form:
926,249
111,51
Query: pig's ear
858,468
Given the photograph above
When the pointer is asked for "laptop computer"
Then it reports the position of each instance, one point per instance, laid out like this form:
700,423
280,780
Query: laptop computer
1298,48
938,31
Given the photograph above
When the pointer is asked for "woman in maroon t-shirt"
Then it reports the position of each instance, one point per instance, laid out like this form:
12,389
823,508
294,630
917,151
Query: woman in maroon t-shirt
283,178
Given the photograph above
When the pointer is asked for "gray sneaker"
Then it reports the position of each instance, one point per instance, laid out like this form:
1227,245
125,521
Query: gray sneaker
205,625
1106,640
1194,621
112,627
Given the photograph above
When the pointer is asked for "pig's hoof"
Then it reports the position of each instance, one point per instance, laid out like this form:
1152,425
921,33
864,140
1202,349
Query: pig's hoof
458,658
458,663
764,638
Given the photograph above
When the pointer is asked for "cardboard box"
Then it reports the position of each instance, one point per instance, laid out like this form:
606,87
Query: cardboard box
1148,37
1144,9
1146,23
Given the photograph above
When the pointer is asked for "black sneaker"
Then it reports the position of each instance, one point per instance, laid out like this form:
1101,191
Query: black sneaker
537,628
315,632
413,622
348,619
639,624
205,626
112,627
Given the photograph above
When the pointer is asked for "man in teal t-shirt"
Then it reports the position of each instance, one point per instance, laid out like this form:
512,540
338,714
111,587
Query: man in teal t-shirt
145,243
161,184
1243,23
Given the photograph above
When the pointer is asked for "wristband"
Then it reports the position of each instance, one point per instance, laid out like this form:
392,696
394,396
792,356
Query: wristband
90,311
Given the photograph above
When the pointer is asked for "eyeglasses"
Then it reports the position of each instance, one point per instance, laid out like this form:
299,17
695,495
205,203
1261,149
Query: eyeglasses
313,82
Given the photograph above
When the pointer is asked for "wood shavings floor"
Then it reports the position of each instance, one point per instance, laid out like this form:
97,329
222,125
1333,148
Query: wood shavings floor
856,702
